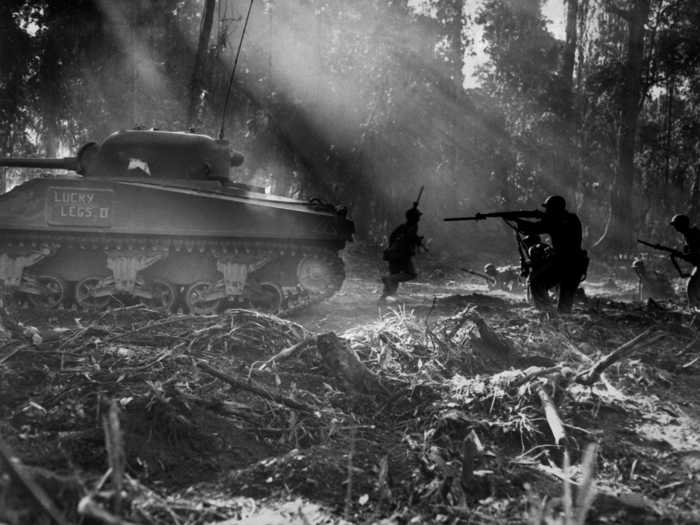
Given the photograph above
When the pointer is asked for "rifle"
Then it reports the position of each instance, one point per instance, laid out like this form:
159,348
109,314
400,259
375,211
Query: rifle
421,244
417,201
482,275
505,215
675,254
661,247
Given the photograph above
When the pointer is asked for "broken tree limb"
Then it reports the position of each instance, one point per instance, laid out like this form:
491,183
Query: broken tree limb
89,508
551,414
472,457
255,389
18,473
13,352
341,361
534,373
287,352
114,442
592,374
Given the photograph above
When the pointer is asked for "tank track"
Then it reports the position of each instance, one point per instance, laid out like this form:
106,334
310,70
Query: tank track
295,298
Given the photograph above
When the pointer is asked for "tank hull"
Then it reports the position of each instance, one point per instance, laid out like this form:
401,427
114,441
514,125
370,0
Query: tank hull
199,243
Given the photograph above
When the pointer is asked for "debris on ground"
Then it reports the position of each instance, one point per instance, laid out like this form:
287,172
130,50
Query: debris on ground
475,409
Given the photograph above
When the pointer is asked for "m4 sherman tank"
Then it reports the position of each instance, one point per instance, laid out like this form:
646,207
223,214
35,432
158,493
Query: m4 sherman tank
154,215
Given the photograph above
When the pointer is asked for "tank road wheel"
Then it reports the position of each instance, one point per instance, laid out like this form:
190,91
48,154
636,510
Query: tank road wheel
197,301
85,294
268,298
53,291
164,295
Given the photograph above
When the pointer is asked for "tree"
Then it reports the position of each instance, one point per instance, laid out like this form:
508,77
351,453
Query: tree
201,55
619,229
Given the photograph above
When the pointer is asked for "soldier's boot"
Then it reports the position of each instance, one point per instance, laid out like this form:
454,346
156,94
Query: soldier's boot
566,298
390,286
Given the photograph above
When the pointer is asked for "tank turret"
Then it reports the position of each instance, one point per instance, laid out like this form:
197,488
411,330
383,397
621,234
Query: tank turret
149,153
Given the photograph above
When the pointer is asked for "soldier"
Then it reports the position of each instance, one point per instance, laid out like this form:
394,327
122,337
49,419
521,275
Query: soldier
403,243
651,284
538,254
691,253
505,279
538,257
568,262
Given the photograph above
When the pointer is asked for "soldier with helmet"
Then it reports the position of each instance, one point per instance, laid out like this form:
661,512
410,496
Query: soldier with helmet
502,279
404,241
538,259
567,264
691,253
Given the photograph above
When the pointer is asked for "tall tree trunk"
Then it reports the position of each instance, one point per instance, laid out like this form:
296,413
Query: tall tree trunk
51,102
694,208
621,229
566,156
569,53
199,59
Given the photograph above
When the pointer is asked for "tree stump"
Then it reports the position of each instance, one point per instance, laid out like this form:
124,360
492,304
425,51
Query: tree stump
341,362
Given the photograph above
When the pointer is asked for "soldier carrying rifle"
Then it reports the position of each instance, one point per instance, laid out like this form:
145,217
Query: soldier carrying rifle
404,241
566,265
690,253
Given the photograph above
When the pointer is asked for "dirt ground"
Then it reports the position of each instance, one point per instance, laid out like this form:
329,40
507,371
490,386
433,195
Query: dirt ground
454,404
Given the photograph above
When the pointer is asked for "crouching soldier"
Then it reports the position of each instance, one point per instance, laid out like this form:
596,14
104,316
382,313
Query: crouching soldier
568,263
691,254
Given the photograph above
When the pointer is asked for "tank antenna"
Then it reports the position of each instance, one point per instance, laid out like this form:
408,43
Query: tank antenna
233,71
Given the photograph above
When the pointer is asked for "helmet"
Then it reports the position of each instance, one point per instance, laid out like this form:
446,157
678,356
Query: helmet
554,203
680,221
413,214
489,269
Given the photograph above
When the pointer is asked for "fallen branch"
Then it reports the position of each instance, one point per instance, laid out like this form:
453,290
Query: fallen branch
13,352
114,442
592,374
552,416
258,390
534,374
157,324
16,471
89,508
287,352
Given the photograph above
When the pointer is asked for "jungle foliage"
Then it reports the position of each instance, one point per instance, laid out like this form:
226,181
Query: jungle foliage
362,102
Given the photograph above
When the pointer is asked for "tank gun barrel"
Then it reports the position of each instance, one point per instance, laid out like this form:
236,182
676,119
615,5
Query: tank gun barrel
65,163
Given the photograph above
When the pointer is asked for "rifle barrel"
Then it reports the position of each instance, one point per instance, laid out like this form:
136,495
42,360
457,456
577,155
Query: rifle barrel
506,215
661,247
473,218
420,194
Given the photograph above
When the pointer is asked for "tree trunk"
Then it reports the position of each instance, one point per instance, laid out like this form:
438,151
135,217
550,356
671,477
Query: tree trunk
566,155
49,74
569,53
620,234
694,208
199,59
